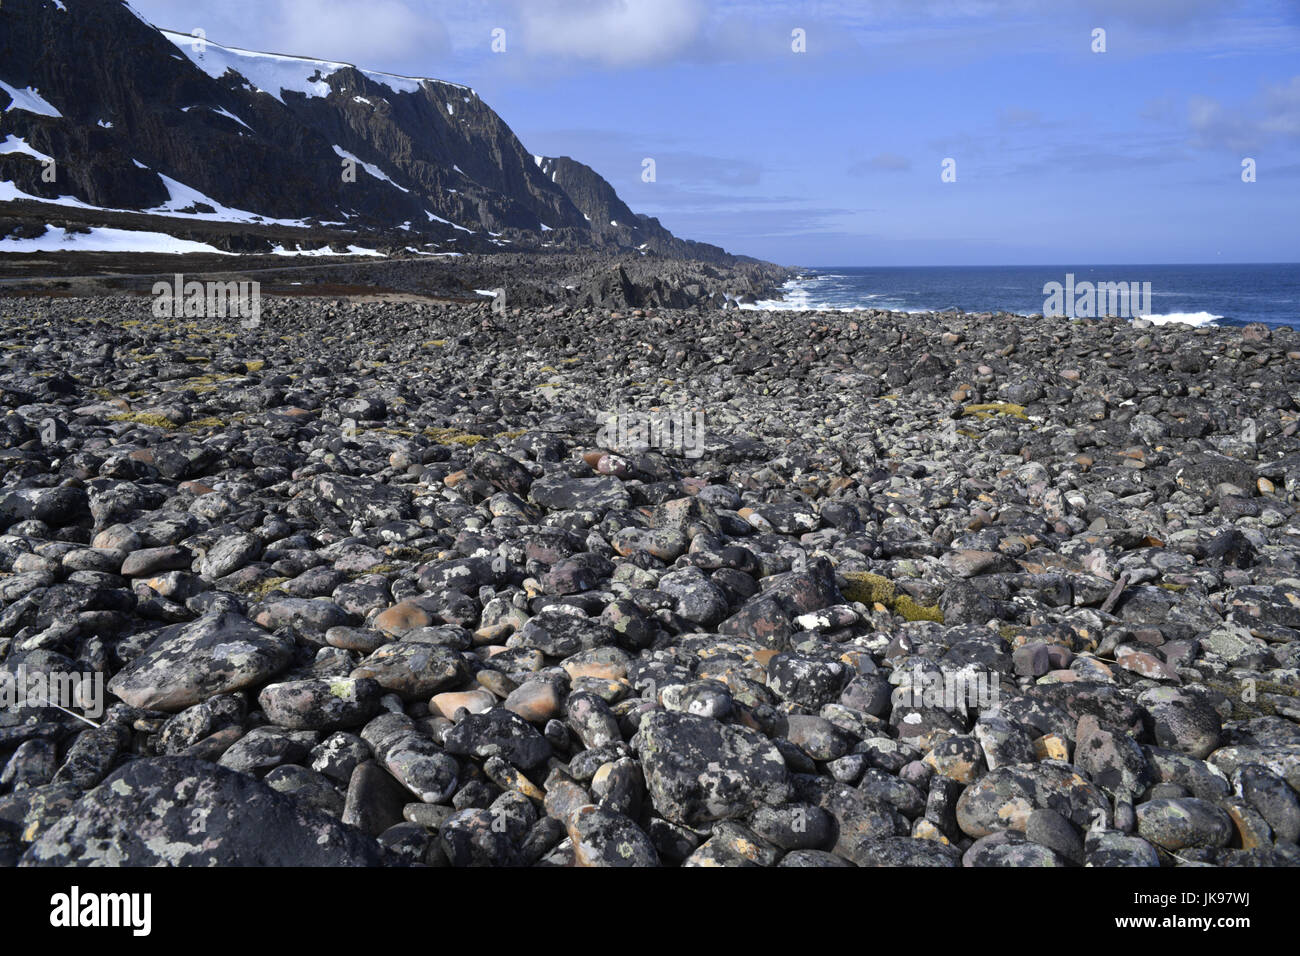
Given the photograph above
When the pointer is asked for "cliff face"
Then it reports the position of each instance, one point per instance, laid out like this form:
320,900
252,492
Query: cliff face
138,118
609,219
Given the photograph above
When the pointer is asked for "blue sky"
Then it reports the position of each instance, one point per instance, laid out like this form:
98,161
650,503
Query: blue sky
833,156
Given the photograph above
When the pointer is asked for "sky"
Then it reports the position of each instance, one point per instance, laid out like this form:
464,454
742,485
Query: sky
818,133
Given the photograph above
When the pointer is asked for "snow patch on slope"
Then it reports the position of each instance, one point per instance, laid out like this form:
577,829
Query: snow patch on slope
29,100
106,239
220,111
183,196
13,144
371,168
448,222
275,73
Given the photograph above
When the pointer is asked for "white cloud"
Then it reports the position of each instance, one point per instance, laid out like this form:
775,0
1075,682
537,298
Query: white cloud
368,33
611,32
373,34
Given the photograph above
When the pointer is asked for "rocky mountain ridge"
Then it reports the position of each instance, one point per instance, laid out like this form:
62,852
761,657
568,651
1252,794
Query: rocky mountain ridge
135,118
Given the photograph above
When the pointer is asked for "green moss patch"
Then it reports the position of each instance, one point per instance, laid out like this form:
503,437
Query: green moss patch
909,610
870,589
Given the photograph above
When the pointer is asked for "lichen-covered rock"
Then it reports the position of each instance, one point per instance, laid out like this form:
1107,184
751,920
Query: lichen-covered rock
177,811
188,663
1113,760
806,681
321,704
1004,798
1111,848
699,770
1183,721
906,851
1010,848
602,838
1176,824
499,733
413,669
562,635
558,492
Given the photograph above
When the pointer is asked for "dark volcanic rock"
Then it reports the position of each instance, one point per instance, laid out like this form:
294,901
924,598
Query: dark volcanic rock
175,811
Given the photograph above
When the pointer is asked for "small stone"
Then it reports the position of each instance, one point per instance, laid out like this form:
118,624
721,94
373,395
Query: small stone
537,701
602,838
321,704
1048,828
475,701
1182,823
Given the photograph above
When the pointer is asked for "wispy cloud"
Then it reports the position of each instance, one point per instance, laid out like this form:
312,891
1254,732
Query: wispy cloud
1272,116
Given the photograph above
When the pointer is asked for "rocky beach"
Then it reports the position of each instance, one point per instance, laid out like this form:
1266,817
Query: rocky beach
364,583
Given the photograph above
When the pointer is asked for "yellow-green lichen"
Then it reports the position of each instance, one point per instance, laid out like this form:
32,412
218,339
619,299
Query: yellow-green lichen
909,610
377,569
1244,695
264,587
867,588
144,418
452,436
199,424
207,383
985,411
871,589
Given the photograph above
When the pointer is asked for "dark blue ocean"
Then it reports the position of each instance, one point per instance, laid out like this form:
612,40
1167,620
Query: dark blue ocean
1196,294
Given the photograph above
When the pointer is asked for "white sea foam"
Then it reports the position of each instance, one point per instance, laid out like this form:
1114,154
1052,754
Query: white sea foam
1188,318
803,295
